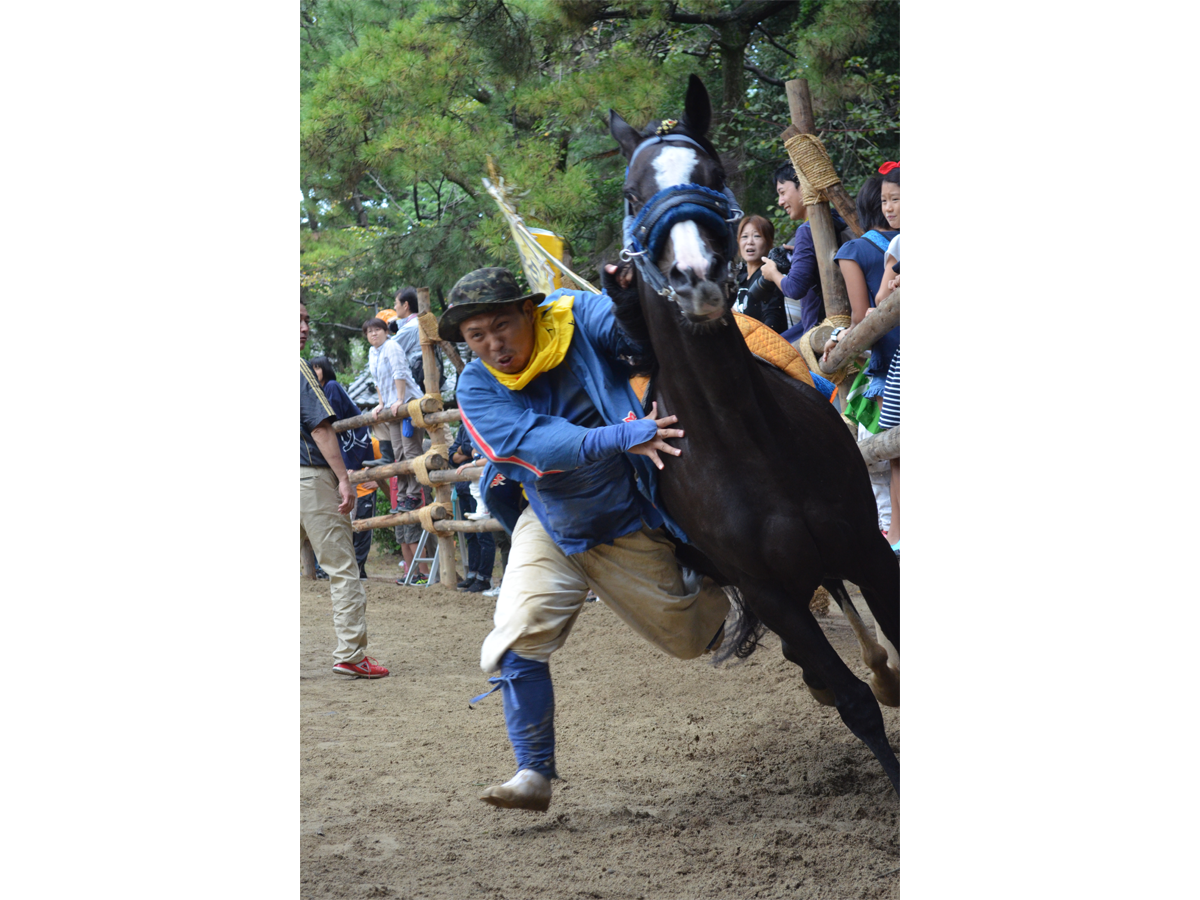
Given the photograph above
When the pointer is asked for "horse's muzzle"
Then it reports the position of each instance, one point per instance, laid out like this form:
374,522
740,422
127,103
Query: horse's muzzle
699,299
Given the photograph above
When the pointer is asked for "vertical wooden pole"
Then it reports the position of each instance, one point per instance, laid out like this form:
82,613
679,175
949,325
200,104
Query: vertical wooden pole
440,435
825,242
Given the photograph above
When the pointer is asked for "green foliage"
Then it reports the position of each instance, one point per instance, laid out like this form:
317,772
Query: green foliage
851,55
403,101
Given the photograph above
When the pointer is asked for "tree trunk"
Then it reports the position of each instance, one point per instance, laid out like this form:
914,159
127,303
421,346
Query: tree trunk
731,42
468,526
359,210
444,527
885,445
386,416
404,467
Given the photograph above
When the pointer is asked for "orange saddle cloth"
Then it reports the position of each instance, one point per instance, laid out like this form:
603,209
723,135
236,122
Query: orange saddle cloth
764,343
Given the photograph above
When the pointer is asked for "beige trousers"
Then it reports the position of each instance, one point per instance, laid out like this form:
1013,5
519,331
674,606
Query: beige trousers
332,539
637,576
406,448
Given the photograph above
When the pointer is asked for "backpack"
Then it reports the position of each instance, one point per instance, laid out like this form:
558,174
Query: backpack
877,240
418,370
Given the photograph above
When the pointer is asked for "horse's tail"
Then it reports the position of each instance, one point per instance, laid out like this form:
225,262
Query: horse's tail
837,589
743,634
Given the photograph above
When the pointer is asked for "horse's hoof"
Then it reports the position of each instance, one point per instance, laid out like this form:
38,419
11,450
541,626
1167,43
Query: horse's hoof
527,790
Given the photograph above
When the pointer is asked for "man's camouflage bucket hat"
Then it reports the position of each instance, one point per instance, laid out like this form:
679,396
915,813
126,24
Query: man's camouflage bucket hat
478,292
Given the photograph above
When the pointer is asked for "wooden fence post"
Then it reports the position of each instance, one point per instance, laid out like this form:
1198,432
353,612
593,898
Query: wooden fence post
820,221
439,435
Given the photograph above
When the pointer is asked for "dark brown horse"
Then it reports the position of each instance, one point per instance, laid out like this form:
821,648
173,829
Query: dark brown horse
770,486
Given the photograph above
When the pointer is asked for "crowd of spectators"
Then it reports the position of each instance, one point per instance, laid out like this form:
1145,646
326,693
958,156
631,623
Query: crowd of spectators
785,294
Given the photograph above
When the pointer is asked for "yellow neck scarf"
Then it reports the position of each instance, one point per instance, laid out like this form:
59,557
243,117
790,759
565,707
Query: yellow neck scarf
553,326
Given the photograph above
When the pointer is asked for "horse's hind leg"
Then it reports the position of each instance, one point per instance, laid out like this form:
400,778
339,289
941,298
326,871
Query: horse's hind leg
885,679
808,645
876,571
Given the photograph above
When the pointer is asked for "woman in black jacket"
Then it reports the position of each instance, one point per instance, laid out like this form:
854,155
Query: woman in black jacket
755,237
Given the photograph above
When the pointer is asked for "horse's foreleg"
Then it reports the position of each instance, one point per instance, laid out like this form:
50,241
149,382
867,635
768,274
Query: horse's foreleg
820,693
885,678
854,701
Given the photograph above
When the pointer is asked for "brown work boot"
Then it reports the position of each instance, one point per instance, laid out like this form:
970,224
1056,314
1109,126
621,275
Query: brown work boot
526,790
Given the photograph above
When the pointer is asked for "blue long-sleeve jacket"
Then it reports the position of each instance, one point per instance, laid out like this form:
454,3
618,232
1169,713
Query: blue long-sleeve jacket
564,435
802,282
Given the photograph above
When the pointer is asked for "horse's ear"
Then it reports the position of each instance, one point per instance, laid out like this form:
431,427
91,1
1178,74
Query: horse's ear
624,133
697,110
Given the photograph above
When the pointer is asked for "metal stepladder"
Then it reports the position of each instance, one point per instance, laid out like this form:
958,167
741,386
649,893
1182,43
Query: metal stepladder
418,558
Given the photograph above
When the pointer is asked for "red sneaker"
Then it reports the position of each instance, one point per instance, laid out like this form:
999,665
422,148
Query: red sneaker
367,667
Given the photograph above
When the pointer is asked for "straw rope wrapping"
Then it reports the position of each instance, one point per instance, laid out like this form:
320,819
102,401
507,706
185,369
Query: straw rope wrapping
425,514
812,165
427,322
421,469
804,345
413,408
808,196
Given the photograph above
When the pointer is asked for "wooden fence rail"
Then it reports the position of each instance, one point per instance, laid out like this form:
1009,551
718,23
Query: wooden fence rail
863,335
404,467
445,417
885,445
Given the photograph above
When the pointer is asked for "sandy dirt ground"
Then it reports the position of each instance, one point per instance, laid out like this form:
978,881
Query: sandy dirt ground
679,780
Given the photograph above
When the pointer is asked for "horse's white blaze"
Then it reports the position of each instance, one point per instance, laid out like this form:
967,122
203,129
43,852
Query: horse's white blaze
673,166
689,250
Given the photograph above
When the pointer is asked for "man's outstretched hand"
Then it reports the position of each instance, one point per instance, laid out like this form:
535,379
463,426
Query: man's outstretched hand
652,447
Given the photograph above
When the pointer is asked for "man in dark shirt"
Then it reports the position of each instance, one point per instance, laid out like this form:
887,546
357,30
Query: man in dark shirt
326,499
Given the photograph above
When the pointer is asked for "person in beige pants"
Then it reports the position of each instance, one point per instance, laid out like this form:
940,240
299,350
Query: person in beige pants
547,401
326,499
